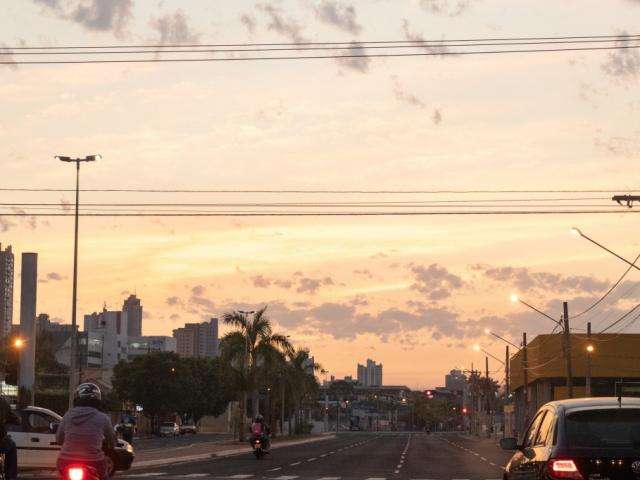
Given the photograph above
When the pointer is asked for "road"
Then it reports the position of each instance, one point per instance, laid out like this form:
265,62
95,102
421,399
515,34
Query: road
349,456
354,456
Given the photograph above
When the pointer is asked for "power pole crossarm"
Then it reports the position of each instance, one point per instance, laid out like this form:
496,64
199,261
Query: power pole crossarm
626,199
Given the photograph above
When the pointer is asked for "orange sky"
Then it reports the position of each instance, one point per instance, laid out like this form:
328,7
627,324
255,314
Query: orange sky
413,292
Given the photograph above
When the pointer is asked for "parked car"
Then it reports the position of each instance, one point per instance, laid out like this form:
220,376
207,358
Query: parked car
188,428
35,438
169,429
584,439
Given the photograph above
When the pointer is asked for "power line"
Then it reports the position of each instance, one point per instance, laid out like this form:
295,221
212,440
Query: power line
309,191
595,304
316,57
353,46
326,214
620,319
490,39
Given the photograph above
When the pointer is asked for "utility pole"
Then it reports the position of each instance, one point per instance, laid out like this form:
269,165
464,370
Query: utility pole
588,375
567,346
506,372
73,367
525,373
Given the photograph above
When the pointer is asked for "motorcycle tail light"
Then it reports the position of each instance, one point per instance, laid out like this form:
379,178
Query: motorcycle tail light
563,468
76,473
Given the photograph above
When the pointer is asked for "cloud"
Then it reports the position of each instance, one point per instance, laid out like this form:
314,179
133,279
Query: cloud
6,55
96,15
624,63
173,301
312,285
249,22
403,96
620,146
174,29
365,272
286,27
437,116
433,48
435,281
174,317
340,16
260,281
198,290
357,62
5,224
449,8
28,221
525,279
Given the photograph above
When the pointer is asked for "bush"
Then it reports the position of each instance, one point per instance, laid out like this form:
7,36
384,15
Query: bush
303,429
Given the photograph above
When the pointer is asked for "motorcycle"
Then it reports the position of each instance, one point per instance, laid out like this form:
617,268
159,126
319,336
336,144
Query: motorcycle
258,448
2,475
80,472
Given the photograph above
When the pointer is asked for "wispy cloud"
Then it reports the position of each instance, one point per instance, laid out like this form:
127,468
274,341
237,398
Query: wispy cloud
338,15
174,29
287,27
624,63
249,22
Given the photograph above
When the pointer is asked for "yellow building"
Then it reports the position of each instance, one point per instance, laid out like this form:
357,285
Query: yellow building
614,358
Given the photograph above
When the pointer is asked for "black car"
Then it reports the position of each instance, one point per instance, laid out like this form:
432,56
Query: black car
586,439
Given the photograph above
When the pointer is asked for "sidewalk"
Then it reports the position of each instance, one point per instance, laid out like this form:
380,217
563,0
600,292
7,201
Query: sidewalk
205,451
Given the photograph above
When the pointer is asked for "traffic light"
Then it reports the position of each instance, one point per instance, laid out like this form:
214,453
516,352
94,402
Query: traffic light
428,394
464,410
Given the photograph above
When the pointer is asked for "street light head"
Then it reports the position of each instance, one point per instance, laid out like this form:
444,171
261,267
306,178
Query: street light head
18,343
93,158
477,348
514,298
575,232
590,348
63,158
487,331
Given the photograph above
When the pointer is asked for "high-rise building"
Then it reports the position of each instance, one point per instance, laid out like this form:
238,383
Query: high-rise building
197,339
133,310
455,381
109,330
370,375
6,290
155,343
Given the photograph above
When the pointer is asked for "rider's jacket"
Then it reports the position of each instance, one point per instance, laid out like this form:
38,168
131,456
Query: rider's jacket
82,432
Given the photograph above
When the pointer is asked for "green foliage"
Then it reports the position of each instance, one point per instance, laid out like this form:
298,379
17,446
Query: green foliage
163,384
302,428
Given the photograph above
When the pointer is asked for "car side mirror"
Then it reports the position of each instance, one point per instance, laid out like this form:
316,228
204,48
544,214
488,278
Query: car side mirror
53,427
509,443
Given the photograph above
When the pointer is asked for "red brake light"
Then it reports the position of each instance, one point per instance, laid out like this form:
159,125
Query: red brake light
563,468
76,473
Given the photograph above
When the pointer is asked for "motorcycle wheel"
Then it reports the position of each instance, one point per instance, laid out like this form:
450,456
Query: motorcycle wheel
259,453
111,466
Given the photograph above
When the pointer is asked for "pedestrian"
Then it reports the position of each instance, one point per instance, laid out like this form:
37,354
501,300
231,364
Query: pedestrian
7,445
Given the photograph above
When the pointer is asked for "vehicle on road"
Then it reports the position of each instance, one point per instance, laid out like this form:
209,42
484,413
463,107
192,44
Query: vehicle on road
188,428
169,429
581,439
35,438
258,448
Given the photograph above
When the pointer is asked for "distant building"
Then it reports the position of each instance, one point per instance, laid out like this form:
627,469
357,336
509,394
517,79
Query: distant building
455,382
109,329
197,339
143,345
6,290
132,308
370,375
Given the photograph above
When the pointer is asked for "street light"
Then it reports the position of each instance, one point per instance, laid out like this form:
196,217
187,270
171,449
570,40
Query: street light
18,343
74,295
590,348
516,299
489,332
576,231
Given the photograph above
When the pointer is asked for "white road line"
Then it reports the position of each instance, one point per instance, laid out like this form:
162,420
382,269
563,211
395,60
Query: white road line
240,476
312,459
483,459
285,477
329,478
294,464
376,478
195,475
323,455
275,469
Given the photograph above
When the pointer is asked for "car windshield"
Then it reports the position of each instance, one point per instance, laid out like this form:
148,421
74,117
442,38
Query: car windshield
615,427
168,424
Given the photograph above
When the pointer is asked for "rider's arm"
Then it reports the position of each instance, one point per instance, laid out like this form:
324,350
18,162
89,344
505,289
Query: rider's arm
109,433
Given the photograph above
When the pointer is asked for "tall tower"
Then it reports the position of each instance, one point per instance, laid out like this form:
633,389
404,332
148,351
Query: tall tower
28,296
133,308
6,291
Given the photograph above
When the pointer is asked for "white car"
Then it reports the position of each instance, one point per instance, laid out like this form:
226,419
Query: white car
169,429
35,438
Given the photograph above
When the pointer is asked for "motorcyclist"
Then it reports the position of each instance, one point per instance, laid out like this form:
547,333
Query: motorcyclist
260,430
7,445
83,431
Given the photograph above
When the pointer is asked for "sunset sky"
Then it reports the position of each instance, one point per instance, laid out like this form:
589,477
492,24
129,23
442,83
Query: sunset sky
414,293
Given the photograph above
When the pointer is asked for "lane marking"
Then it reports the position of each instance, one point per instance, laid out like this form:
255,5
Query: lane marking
329,478
240,476
312,459
275,469
285,477
195,475
294,464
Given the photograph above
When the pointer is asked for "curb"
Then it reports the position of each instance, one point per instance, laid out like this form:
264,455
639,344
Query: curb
223,454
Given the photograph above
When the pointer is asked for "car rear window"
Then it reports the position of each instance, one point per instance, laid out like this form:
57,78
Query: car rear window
615,427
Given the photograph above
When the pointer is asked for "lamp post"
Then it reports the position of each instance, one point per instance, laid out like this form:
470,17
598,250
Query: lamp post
577,231
73,380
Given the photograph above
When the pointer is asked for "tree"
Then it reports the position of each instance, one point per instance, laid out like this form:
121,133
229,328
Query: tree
154,381
247,350
206,388
302,379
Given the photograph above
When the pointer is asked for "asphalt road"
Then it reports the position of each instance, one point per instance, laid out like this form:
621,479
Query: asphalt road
349,456
352,456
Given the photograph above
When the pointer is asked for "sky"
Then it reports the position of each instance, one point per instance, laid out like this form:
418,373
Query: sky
414,293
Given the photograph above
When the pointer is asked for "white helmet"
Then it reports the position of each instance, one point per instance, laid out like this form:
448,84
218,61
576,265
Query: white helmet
88,391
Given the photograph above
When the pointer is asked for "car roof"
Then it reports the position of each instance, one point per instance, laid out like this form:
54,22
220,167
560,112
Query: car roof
581,403
41,410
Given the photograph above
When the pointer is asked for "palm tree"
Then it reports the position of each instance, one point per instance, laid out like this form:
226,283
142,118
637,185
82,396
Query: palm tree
250,349
302,379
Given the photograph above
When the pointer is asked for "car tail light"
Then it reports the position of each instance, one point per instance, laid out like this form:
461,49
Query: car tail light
563,468
76,473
